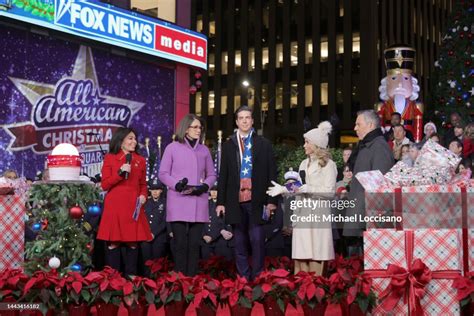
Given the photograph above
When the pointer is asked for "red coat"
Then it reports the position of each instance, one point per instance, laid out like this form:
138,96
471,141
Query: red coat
117,223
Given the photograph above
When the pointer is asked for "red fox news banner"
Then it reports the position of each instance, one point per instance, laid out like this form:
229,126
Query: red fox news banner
105,23
54,91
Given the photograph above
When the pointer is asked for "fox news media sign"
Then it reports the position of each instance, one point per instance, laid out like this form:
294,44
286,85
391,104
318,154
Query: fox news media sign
108,24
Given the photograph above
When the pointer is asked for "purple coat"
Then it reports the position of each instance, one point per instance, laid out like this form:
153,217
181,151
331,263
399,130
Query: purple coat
180,161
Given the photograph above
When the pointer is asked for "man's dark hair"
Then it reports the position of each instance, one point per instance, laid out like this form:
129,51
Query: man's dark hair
396,113
241,109
118,137
397,125
458,143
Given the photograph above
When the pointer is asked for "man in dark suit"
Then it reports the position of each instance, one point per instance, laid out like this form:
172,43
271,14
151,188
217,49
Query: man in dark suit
274,242
217,236
247,169
155,210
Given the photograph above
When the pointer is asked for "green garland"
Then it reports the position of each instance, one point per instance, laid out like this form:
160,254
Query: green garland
37,8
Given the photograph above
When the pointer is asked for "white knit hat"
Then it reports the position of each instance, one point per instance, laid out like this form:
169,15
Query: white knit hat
292,175
319,136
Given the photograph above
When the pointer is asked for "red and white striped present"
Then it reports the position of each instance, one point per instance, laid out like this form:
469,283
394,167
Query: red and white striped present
12,226
413,271
421,206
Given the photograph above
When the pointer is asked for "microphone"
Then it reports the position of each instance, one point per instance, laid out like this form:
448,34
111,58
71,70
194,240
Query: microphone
303,176
92,134
128,159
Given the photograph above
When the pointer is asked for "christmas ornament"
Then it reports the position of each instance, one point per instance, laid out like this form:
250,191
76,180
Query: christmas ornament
36,227
198,84
75,212
451,53
94,210
192,89
54,263
197,75
44,224
472,91
465,29
467,63
459,99
76,267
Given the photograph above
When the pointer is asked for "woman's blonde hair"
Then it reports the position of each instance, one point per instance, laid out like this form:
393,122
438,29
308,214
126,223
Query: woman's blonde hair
322,155
469,131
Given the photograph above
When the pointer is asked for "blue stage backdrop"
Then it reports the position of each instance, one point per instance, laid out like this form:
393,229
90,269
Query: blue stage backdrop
53,91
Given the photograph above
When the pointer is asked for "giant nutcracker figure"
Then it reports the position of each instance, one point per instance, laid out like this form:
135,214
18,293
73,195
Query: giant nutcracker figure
399,91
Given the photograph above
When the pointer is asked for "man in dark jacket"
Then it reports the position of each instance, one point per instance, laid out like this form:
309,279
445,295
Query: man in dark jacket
372,153
274,242
247,169
217,236
155,210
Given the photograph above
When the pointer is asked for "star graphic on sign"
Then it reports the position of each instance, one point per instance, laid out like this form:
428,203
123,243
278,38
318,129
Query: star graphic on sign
249,146
247,159
245,171
97,99
84,68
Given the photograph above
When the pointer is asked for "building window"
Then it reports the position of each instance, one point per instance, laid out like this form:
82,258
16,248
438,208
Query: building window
308,95
251,59
225,60
308,55
324,93
211,102
224,101
199,24
212,64
279,56
212,28
265,58
237,103
324,51
264,103
294,53
279,96
198,103
356,43
340,44
238,60
163,9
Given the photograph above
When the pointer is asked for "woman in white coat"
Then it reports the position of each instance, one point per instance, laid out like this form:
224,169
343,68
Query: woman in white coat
312,243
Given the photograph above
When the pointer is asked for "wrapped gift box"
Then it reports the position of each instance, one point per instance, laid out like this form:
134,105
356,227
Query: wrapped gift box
422,206
439,250
12,226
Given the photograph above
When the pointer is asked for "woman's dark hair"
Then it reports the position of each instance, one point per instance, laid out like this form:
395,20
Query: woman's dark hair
185,123
118,137
347,165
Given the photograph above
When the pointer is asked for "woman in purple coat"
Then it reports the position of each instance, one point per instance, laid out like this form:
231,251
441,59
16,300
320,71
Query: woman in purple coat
188,171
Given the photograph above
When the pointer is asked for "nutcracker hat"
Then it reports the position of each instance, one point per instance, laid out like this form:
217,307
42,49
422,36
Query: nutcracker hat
155,184
319,136
399,59
292,175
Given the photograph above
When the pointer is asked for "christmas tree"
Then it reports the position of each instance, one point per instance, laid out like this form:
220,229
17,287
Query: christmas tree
57,211
453,77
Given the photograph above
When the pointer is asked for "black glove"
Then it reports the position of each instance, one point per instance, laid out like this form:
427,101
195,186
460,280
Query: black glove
181,184
203,188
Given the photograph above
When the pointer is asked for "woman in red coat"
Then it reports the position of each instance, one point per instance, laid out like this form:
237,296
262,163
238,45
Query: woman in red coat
123,177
